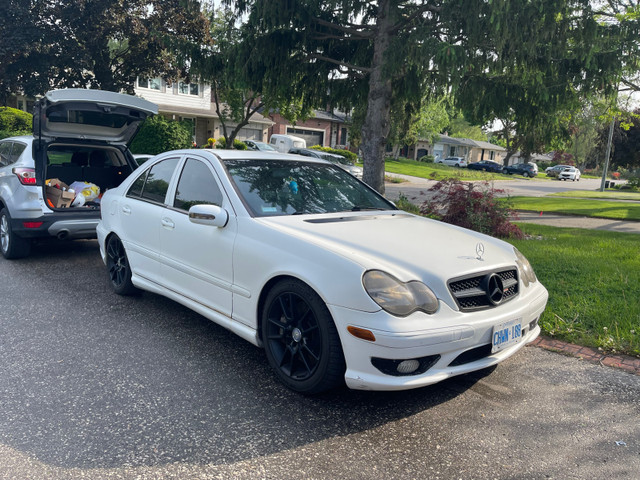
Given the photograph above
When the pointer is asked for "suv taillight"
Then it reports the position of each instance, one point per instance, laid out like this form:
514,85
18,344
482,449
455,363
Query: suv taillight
27,176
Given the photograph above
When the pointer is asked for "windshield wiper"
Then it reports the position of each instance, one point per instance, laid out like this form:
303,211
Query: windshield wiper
359,208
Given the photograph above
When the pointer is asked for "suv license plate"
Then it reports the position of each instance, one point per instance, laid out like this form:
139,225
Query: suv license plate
506,334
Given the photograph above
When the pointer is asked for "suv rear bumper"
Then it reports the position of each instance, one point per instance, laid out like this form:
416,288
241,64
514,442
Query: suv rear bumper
72,225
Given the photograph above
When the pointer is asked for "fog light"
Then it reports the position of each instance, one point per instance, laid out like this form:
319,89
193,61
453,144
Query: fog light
408,366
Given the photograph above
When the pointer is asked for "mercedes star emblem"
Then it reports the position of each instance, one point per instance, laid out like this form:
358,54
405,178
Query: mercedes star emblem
480,251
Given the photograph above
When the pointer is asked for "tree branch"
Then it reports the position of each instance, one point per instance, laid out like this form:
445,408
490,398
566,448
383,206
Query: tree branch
414,15
351,30
342,64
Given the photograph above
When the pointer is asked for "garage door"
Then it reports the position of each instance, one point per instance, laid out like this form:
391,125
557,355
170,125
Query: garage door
250,134
310,136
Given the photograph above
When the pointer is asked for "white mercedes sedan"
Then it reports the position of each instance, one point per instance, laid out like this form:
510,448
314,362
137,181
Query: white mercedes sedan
304,260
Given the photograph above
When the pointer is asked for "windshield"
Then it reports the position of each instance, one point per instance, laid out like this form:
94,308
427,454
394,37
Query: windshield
277,187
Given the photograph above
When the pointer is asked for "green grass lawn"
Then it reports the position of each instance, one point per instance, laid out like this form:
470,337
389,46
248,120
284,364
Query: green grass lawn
606,195
593,278
579,206
438,171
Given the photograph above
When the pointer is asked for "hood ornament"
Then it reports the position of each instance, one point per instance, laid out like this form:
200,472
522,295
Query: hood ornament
480,251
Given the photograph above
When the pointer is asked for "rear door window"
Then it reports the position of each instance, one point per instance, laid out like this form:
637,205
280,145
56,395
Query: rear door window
153,184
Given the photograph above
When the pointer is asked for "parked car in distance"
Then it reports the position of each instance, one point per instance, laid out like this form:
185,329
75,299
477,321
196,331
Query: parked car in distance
524,169
452,161
569,173
486,166
292,254
79,136
555,170
261,146
284,143
339,160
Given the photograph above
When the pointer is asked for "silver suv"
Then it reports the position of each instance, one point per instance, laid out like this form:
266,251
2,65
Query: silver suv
78,136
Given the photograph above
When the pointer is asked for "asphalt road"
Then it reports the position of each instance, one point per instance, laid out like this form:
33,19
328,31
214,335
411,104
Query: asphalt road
97,386
416,189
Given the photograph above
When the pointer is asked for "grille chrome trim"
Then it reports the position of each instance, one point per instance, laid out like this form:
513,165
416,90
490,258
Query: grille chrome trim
470,296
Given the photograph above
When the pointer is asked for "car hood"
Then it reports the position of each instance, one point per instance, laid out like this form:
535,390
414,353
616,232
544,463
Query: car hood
82,114
404,245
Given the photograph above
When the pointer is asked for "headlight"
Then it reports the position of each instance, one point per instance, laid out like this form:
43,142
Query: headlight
399,298
526,270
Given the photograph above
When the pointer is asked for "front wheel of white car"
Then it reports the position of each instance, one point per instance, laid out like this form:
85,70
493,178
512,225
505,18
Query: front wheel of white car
300,339
11,245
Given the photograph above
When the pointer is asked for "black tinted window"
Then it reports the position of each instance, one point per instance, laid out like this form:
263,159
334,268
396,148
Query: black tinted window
17,150
158,179
136,189
197,186
5,153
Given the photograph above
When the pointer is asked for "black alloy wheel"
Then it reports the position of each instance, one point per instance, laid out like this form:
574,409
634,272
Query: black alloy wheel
118,268
300,339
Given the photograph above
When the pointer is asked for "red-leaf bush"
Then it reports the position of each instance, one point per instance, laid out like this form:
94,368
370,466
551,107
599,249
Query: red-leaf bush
472,205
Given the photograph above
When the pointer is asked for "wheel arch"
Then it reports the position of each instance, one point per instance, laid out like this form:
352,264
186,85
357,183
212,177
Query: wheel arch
272,282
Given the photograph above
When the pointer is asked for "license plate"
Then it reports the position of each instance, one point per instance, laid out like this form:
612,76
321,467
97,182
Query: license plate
506,334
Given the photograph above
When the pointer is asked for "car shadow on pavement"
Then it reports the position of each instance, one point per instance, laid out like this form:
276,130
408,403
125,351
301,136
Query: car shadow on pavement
94,380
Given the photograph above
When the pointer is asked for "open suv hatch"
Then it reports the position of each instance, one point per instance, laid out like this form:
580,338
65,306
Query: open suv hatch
78,136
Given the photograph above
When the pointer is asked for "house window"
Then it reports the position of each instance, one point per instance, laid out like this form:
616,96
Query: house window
188,88
492,155
150,83
452,151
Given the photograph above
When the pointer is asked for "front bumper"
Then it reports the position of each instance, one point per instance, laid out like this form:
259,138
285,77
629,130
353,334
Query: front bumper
461,345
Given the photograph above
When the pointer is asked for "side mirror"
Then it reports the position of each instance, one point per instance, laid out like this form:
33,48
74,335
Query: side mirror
209,215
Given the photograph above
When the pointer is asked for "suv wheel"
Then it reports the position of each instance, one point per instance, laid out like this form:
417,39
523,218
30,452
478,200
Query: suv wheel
11,245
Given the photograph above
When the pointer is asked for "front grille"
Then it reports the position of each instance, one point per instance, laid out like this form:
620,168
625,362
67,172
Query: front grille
470,292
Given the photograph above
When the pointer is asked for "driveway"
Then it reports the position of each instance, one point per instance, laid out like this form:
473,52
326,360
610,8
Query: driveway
104,387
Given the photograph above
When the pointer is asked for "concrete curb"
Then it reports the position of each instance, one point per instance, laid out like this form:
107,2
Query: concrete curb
623,362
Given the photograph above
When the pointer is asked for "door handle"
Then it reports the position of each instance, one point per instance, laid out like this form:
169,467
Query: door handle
167,223
126,210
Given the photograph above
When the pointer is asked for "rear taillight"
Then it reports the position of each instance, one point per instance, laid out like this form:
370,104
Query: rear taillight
27,176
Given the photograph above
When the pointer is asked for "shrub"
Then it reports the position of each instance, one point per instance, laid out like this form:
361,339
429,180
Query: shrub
338,151
14,122
427,159
471,205
403,203
159,134
237,144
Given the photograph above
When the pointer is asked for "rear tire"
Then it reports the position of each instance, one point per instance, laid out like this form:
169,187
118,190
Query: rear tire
300,339
119,268
525,174
505,171
11,245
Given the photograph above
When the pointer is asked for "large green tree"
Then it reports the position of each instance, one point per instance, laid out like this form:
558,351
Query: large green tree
94,43
530,57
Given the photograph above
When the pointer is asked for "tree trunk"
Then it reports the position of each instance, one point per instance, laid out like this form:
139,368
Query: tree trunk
375,129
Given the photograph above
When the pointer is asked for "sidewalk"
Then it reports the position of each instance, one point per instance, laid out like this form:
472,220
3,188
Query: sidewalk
571,221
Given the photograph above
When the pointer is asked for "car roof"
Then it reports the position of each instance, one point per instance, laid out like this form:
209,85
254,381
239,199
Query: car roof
224,154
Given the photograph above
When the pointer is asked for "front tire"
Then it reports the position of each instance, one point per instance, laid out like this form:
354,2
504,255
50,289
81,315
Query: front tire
525,174
300,339
119,268
505,171
11,245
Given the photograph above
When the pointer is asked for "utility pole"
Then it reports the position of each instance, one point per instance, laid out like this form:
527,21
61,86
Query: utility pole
606,159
